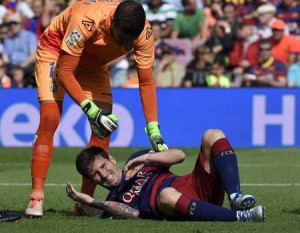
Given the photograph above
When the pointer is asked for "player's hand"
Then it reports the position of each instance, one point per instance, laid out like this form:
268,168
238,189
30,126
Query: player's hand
102,122
77,196
153,131
133,166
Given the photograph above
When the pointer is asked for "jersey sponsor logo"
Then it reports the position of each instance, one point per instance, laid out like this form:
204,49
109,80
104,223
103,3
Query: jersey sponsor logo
87,24
141,180
148,33
74,38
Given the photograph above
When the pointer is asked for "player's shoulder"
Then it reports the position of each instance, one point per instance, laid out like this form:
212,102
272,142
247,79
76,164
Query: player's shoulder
146,35
95,3
92,8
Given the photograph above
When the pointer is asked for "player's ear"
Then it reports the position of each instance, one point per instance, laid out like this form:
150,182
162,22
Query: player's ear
112,159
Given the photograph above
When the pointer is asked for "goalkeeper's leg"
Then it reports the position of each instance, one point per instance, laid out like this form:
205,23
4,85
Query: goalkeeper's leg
93,86
87,186
41,155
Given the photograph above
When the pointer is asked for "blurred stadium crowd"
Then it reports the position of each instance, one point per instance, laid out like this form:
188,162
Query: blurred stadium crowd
198,43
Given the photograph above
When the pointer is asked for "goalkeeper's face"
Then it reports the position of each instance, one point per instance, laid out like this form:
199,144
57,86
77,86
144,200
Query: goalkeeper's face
105,172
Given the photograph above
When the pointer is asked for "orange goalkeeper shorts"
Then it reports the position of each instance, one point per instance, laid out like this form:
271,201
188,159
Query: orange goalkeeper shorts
95,84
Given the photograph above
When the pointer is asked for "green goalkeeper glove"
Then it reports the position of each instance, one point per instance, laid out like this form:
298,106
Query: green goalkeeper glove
102,122
156,140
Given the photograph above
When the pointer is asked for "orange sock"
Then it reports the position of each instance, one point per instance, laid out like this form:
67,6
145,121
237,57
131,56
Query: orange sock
43,146
87,186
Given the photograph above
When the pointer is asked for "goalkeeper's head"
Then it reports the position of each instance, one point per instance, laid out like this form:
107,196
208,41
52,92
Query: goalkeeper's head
99,167
127,23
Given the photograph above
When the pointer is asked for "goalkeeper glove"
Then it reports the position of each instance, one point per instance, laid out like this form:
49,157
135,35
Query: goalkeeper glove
102,122
156,140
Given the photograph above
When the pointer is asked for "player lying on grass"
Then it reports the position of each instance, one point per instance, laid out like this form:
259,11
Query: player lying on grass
146,188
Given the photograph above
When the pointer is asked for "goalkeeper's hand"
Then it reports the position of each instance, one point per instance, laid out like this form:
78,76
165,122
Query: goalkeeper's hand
153,131
102,122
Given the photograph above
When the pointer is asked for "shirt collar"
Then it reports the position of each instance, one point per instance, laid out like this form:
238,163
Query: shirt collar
268,63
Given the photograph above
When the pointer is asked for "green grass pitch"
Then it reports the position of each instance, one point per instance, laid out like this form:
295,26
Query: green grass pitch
271,175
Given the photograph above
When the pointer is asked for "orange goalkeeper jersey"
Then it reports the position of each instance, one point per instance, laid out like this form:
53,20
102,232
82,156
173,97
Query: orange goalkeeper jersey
83,30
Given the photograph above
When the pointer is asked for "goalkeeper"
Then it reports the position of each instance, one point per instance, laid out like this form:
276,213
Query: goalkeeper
146,188
72,58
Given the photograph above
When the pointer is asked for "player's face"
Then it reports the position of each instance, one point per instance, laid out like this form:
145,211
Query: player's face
105,172
265,52
121,38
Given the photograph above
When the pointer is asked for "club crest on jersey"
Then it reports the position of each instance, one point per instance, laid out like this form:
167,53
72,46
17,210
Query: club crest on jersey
74,38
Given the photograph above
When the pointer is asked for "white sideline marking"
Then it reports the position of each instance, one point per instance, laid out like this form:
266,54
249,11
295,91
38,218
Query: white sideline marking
181,165
268,165
272,184
243,184
29,184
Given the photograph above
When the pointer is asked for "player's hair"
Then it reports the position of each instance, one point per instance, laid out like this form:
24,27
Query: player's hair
130,17
185,2
86,157
266,41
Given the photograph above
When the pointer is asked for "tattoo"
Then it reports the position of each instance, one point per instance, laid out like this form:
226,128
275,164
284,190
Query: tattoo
129,212
117,209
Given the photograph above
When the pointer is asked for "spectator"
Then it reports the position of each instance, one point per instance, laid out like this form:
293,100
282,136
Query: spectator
217,76
132,78
18,75
294,71
282,44
198,69
289,12
3,36
212,11
118,71
21,6
160,43
245,51
230,16
3,13
190,22
11,5
168,73
246,11
20,47
274,2
165,13
41,18
24,7
266,17
5,80
221,41
269,72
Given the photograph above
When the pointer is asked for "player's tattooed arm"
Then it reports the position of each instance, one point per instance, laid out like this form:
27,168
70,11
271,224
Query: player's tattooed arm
117,209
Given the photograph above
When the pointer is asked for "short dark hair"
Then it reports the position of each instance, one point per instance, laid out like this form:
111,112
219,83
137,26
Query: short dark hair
185,2
130,17
266,41
86,157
